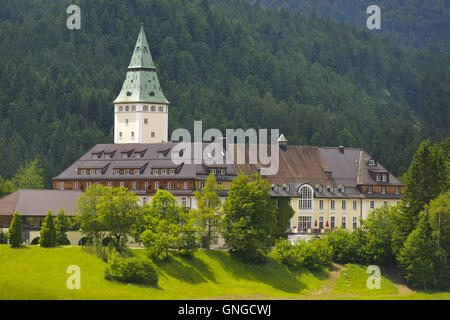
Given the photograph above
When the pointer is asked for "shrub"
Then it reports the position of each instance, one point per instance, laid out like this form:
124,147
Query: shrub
136,270
15,231
313,255
347,246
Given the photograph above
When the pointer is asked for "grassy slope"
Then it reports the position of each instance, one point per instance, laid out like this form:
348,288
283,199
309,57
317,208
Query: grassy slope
39,273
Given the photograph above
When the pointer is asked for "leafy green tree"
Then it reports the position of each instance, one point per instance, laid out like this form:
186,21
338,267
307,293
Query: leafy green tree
29,176
187,243
249,217
63,224
86,212
283,213
3,238
380,227
117,214
6,187
15,231
208,214
162,224
48,232
439,218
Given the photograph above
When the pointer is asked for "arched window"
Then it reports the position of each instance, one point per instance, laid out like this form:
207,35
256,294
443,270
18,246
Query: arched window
305,198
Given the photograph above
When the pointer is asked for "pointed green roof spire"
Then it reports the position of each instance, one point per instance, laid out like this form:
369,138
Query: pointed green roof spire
141,84
142,58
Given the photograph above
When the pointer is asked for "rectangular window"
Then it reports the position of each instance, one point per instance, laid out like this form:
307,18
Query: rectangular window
202,184
333,205
76,185
110,184
156,185
344,205
134,185
144,201
383,189
385,203
332,222
355,205
146,185
61,185
397,190
385,177
169,185
304,223
186,185
372,204
172,171
184,202
378,177
344,222
163,171
127,171
122,183
155,171
88,184
355,222
370,189
160,109
321,205
320,222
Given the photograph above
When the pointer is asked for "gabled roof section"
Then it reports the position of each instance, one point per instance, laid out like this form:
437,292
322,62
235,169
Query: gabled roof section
141,84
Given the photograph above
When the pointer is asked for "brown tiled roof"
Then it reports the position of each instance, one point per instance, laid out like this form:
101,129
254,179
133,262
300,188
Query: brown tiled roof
39,202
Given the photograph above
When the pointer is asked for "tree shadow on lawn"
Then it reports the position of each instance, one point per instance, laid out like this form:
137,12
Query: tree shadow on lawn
269,272
191,270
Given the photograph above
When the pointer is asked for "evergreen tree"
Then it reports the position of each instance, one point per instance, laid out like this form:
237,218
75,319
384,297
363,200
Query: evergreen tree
15,231
424,182
48,232
29,176
249,217
208,214
63,224
417,257
283,213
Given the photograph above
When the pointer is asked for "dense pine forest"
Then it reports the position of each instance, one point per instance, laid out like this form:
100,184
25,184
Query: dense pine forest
417,23
229,63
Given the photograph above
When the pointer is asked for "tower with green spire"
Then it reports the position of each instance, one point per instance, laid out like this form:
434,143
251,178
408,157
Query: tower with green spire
141,109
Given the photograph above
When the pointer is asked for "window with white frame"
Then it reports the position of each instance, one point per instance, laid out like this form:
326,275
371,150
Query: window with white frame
172,171
344,222
372,204
333,205
88,184
304,223
344,205
110,184
155,171
383,189
169,185
320,222
305,199
385,177
184,202
156,185
76,185
385,203
370,189
146,185
397,190
355,205
163,171
355,222
332,222
127,171
61,185
202,184
321,207
185,185
134,185
378,177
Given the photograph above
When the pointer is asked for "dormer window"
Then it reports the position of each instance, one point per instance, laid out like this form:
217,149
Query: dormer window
320,188
172,171
153,108
160,154
378,177
330,188
372,162
116,172
385,177
155,171
127,171
95,156
160,109
328,173
107,156
163,171
275,187
145,108
83,172
124,155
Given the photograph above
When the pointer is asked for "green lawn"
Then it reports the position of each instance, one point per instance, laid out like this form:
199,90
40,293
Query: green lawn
40,273
33,272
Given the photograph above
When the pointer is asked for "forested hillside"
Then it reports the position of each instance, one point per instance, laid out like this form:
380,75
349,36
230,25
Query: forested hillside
421,24
230,64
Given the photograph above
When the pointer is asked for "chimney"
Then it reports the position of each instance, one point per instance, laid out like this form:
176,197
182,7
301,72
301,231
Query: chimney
282,142
341,149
